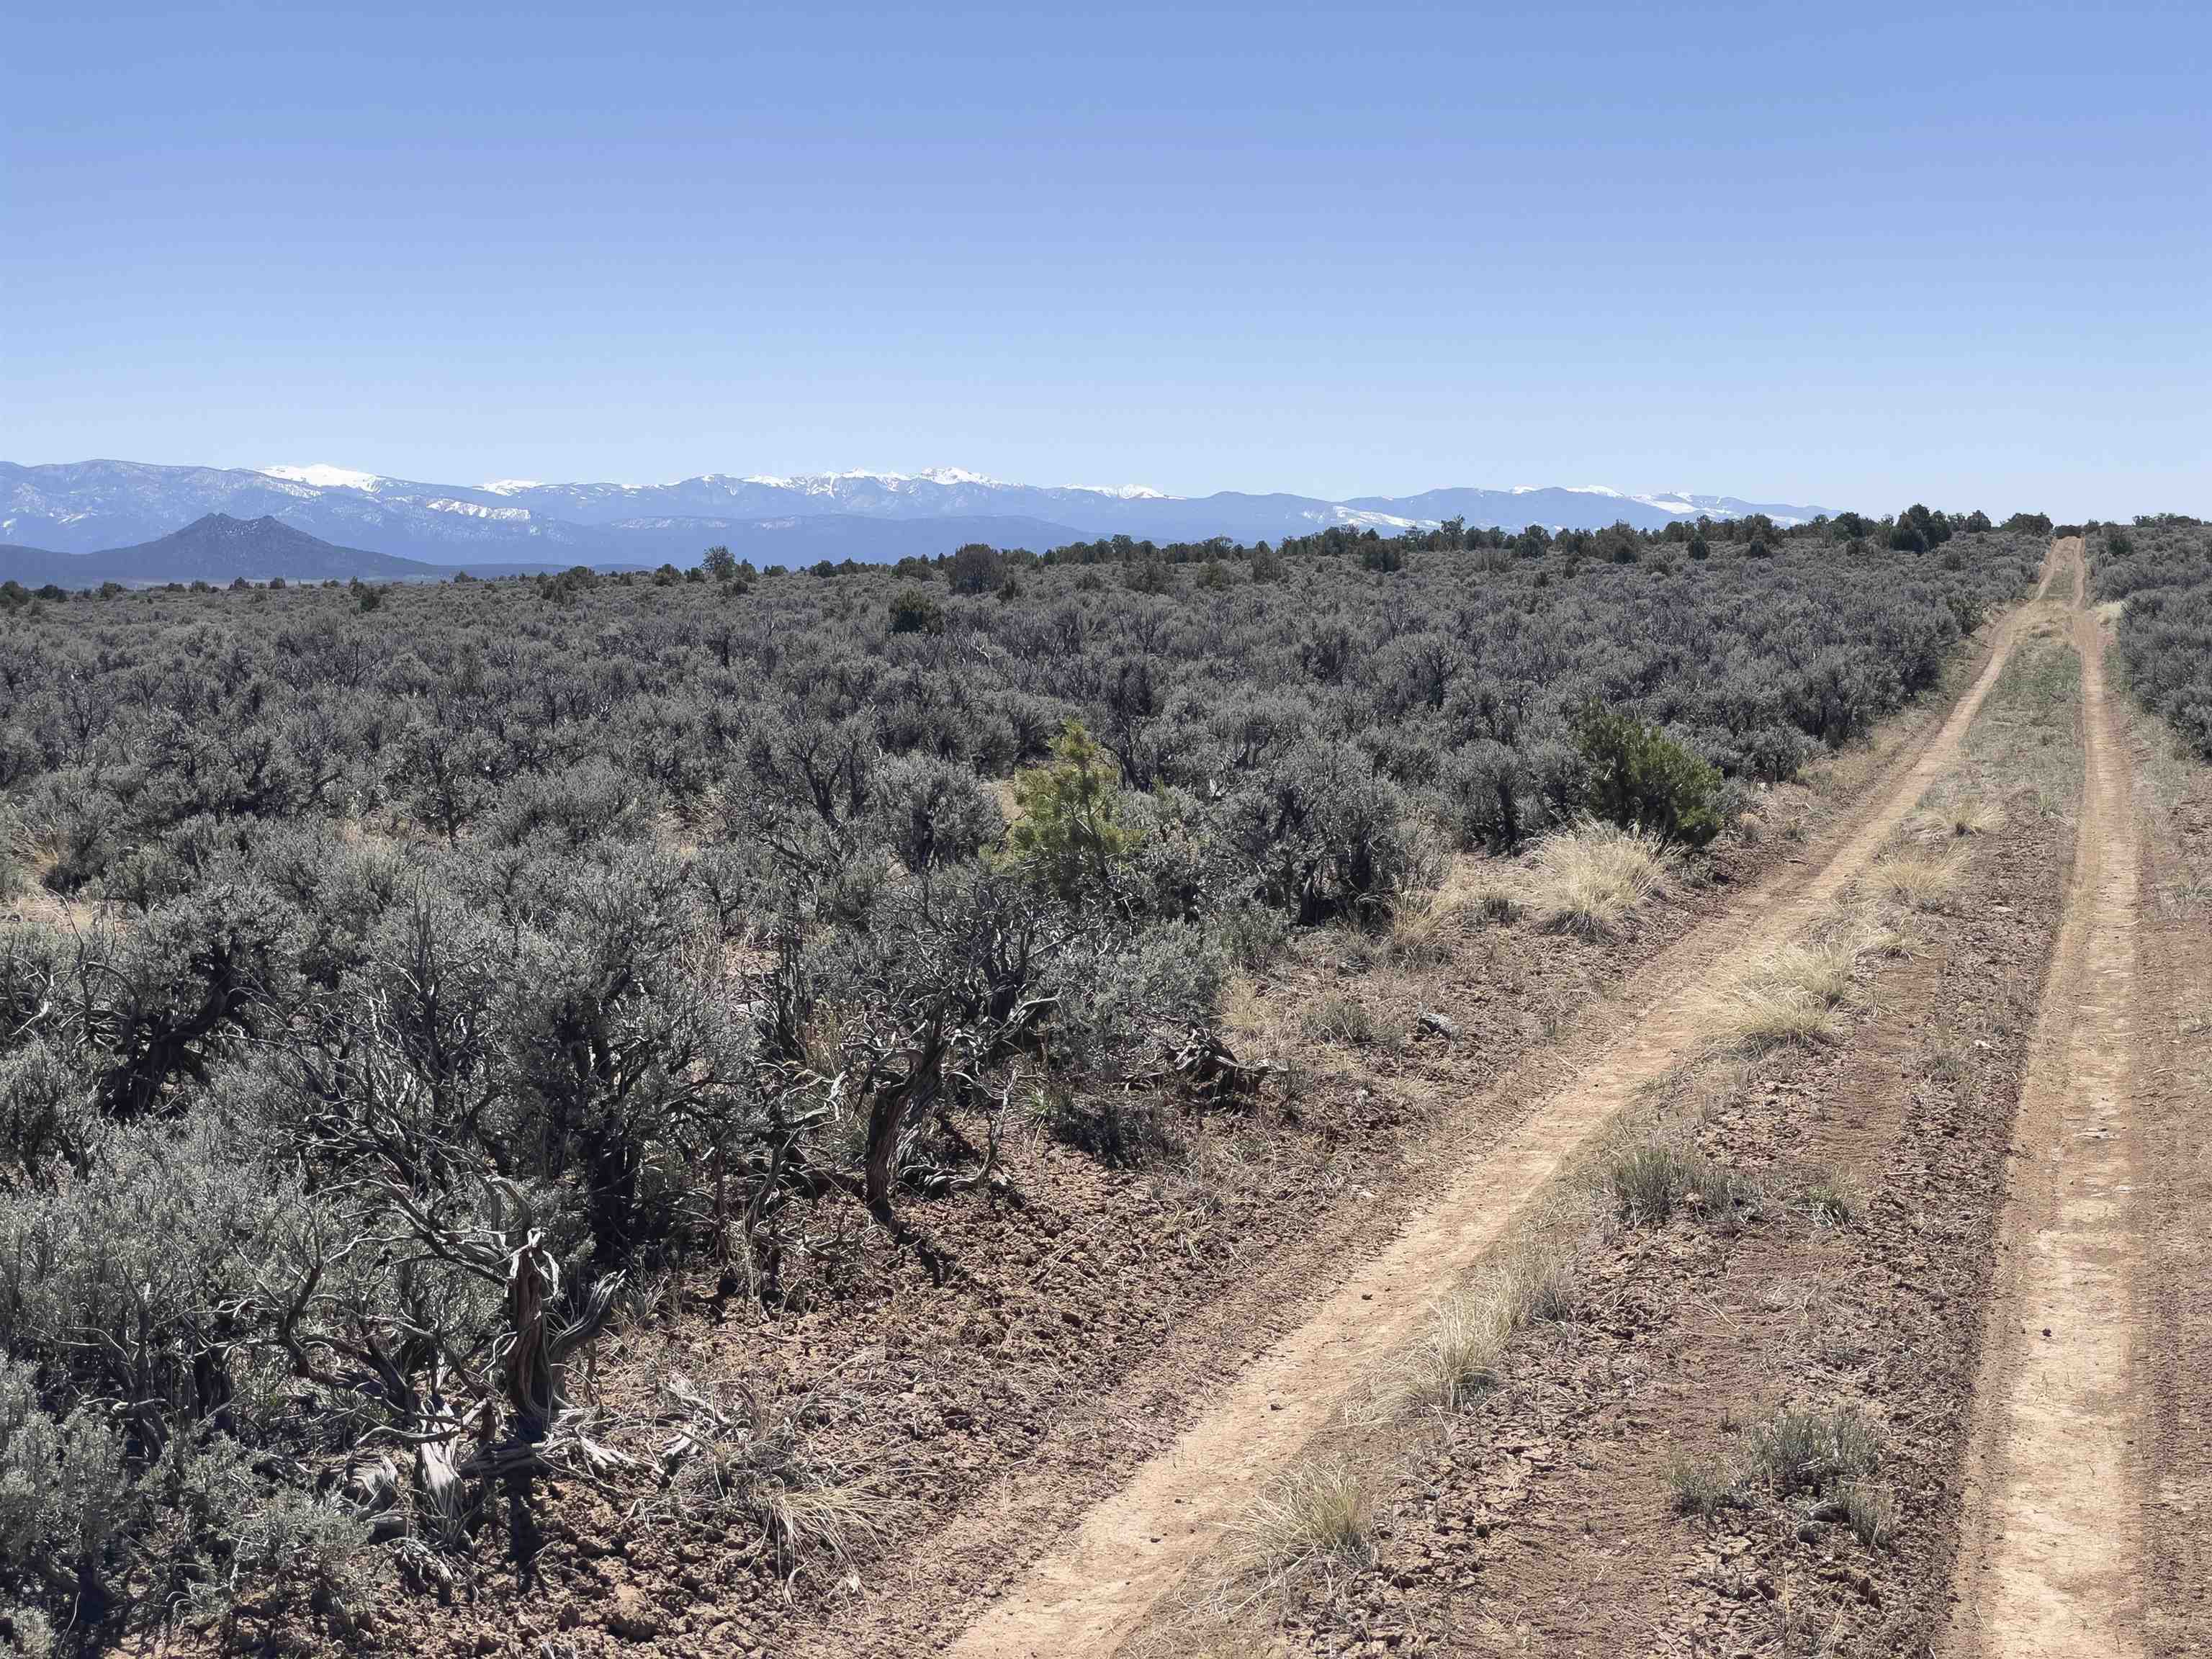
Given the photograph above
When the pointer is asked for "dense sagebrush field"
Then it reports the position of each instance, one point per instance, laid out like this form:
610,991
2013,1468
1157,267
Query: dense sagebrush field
395,972
2162,568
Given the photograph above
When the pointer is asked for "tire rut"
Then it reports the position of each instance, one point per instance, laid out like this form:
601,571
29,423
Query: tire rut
1091,1592
2050,1559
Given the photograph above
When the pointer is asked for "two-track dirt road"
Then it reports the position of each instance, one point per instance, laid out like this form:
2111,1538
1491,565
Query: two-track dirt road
2053,1560
1097,1584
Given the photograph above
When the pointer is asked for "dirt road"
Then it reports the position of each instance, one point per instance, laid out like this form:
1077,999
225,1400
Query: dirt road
2052,1561
1089,1592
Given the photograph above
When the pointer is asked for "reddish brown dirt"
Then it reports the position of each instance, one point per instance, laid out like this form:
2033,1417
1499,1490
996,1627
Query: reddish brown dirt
1540,1523
2173,1136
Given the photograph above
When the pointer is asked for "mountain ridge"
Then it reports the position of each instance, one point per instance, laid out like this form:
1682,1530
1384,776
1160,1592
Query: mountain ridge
104,506
216,548
219,548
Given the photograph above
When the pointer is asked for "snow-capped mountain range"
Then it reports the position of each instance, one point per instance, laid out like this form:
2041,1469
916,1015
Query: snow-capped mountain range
87,506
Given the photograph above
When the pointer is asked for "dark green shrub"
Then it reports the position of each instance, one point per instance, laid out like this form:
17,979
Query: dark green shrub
974,569
1069,834
916,612
1639,778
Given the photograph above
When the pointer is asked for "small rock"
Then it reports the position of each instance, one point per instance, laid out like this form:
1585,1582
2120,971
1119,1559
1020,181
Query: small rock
630,1616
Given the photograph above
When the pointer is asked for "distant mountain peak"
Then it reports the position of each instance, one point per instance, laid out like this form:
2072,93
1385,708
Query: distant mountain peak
1124,492
215,525
323,476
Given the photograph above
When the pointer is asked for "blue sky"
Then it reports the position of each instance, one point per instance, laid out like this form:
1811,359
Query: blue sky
1859,255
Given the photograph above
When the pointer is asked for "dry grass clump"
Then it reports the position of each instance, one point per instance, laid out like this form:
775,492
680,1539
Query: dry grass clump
1975,815
1781,1018
1244,1015
1836,1196
1461,1351
1342,1020
1318,1513
1589,878
1800,1451
1956,809
1423,923
1872,1510
1704,1483
1789,996
729,1458
1825,1455
1212,1176
1947,1043
1918,880
1652,1175
1821,967
842,1522
1474,891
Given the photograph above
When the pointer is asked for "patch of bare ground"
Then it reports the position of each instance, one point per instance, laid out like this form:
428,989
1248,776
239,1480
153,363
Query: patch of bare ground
1735,1422
2174,1132
25,898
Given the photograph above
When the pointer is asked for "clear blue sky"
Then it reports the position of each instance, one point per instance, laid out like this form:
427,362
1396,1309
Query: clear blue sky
1856,254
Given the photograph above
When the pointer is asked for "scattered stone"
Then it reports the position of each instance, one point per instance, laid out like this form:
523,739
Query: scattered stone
630,1616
